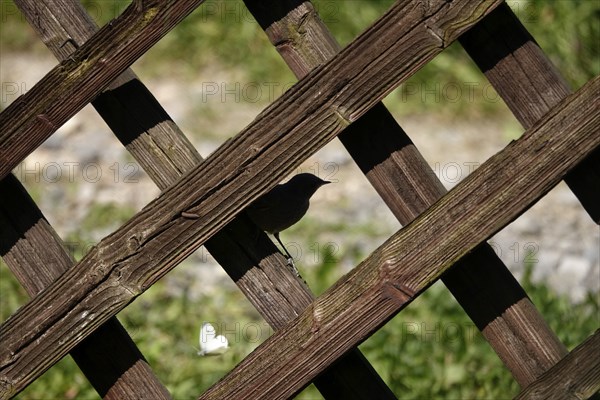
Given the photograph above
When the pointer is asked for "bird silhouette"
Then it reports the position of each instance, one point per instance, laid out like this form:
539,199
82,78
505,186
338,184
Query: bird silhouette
284,205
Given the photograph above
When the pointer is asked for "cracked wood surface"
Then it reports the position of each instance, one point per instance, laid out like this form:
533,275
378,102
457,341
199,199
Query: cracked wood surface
68,87
576,376
164,152
492,297
128,261
529,85
358,304
37,256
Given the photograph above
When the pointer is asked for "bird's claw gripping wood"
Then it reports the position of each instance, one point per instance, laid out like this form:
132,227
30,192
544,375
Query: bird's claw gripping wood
283,206
290,262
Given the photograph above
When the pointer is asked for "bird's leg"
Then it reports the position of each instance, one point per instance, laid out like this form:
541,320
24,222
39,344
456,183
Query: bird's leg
276,234
290,259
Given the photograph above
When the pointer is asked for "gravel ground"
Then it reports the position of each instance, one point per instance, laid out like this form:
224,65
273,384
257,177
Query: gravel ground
83,165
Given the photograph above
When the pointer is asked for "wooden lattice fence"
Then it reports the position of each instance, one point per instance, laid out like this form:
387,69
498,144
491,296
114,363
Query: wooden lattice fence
73,304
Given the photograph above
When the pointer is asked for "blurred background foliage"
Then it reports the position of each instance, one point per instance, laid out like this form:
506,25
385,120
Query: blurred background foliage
431,350
223,34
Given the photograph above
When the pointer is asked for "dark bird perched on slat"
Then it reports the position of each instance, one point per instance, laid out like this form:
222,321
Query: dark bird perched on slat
284,205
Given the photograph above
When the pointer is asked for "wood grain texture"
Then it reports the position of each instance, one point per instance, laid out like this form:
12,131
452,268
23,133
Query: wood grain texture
530,85
491,296
164,152
37,256
127,262
577,376
68,87
412,259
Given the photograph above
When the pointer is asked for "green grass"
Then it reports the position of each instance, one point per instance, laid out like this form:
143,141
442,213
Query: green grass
429,350
433,350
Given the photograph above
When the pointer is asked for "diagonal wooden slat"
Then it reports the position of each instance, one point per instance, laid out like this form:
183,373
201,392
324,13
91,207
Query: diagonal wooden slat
358,304
68,87
492,297
131,259
36,255
577,376
247,255
529,85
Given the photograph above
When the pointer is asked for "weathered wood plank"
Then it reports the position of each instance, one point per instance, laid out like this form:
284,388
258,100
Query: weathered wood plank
411,260
35,254
164,152
530,85
65,90
577,376
127,262
492,297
